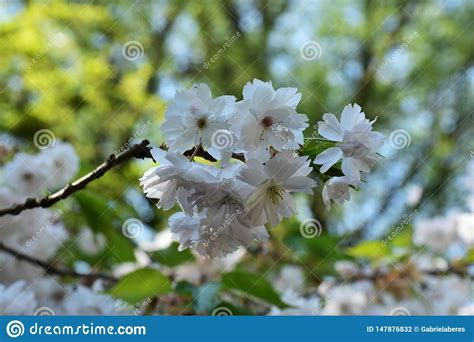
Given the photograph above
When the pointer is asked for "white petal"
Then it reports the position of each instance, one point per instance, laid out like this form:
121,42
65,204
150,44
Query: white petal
252,173
326,198
328,158
262,97
287,97
299,184
350,116
350,169
330,128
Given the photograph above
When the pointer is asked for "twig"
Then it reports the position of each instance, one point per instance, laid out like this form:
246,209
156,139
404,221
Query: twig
200,152
52,270
140,150
450,270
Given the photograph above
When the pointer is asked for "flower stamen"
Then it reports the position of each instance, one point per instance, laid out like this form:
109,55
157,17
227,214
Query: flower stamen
201,122
275,193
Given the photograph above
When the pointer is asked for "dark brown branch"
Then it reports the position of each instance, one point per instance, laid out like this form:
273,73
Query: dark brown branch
52,270
140,150
204,154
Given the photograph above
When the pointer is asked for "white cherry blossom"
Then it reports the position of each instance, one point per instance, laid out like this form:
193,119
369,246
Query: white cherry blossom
26,174
438,233
175,179
357,144
63,164
194,116
17,299
465,228
337,189
268,118
186,229
83,300
274,182
225,203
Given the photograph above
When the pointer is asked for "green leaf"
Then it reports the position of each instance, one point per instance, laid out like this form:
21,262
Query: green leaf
172,257
312,147
140,285
99,216
373,250
320,252
253,285
469,258
403,238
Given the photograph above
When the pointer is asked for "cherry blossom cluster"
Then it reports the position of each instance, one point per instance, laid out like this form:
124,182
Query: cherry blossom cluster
356,146
253,166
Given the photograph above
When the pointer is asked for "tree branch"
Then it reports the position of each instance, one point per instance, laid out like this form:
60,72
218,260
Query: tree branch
204,154
141,150
52,270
